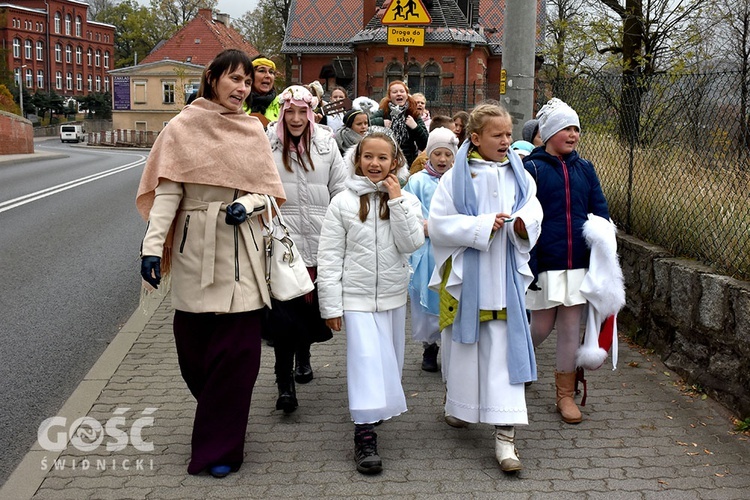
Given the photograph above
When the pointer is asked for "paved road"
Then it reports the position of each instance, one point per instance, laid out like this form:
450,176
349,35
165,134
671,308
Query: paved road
641,438
69,277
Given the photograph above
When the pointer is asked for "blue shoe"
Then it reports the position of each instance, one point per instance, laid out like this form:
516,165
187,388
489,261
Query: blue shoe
220,470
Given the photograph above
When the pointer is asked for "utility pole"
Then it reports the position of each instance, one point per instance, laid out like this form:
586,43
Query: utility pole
20,89
519,54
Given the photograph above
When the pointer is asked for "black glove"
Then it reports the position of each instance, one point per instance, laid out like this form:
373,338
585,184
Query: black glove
150,263
236,214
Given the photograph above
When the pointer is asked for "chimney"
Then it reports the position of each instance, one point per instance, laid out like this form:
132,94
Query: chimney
223,18
206,14
368,11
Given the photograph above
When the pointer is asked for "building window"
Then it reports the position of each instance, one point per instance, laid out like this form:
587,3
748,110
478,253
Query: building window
58,80
79,55
17,48
67,24
69,81
57,22
79,82
393,72
106,84
90,83
68,53
139,93
40,79
39,51
98,83
168,88
98,58
141,126
106,59
89,56
78,26
58,52
414,78
432,81
27,50
29,78
17,77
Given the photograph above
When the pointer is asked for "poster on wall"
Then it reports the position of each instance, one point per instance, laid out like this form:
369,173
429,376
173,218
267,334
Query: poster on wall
121,97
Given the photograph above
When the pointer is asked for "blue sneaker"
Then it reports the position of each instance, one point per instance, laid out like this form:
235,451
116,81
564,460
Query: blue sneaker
220,470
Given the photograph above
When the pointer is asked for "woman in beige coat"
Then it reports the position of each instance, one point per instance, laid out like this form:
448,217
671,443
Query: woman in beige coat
201,193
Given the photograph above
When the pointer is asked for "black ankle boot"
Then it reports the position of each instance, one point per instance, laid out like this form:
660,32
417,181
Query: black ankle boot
429,358
366,450
287,396
302,370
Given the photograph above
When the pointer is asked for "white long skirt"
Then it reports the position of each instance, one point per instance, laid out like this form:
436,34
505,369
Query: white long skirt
425,327
477,378
374,364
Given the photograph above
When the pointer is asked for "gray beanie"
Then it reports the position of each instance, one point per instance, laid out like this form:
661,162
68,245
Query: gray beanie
530,129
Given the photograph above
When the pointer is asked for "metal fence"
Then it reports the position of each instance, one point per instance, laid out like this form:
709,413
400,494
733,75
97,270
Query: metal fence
673,155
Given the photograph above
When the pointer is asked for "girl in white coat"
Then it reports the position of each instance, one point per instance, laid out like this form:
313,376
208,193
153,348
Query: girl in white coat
312,172
363,274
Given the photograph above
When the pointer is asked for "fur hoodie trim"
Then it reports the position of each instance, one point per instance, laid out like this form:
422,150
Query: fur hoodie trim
604,289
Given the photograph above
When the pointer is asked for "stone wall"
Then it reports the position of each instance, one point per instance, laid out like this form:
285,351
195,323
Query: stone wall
16,134
696,320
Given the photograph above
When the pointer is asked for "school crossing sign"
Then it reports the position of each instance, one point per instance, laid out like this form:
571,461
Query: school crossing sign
405,12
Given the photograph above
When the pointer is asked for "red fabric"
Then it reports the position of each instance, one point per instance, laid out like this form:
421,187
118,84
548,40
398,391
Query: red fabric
606,332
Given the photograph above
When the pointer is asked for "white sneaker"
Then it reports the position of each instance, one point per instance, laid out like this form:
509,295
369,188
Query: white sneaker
505,449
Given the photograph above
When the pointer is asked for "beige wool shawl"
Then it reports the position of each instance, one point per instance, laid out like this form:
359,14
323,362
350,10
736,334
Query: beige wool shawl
207,143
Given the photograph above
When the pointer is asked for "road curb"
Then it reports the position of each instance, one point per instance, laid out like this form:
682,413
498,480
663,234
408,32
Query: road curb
26,479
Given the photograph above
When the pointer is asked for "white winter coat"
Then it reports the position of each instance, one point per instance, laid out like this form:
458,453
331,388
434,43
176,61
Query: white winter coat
364,266
308,193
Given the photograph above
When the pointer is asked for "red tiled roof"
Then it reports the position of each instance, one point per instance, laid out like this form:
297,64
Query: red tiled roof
325,20
200,40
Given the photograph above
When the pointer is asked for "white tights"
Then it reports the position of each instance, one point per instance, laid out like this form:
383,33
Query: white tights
567,321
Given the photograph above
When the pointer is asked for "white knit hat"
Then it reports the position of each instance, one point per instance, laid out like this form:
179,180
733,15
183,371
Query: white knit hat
442,137
555,116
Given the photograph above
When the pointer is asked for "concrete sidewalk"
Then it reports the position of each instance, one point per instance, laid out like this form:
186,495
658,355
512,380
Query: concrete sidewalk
641,436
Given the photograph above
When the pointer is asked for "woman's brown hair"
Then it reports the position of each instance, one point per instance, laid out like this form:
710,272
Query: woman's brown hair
226,61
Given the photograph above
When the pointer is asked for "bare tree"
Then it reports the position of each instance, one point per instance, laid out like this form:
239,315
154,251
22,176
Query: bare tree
649,31
176,13
96,7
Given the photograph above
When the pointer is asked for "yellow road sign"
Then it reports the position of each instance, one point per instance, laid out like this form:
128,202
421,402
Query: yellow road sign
406,36
503,81
406,12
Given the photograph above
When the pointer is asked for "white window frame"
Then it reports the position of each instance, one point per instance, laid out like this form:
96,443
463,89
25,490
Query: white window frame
58,80
79,82
39,51
40,79
28,49
58,20
78,26
68,54
79,55
68,21
69,81
17,48
58,52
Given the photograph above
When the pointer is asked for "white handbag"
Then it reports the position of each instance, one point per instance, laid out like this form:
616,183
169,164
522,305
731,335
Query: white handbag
286,273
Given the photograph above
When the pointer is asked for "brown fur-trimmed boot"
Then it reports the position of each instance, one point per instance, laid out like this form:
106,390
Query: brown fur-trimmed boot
566,405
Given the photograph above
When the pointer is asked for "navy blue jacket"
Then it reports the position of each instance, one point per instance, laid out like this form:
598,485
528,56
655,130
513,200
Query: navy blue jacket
568,189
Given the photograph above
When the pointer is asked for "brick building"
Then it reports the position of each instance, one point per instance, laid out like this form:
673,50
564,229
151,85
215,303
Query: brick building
50,46
343,42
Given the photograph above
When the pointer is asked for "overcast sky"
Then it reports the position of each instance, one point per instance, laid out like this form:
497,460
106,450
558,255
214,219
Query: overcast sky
236,8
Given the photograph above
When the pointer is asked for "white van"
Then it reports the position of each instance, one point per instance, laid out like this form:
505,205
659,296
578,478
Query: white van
72,133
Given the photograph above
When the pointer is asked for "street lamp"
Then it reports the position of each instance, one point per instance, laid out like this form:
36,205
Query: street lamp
20,88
